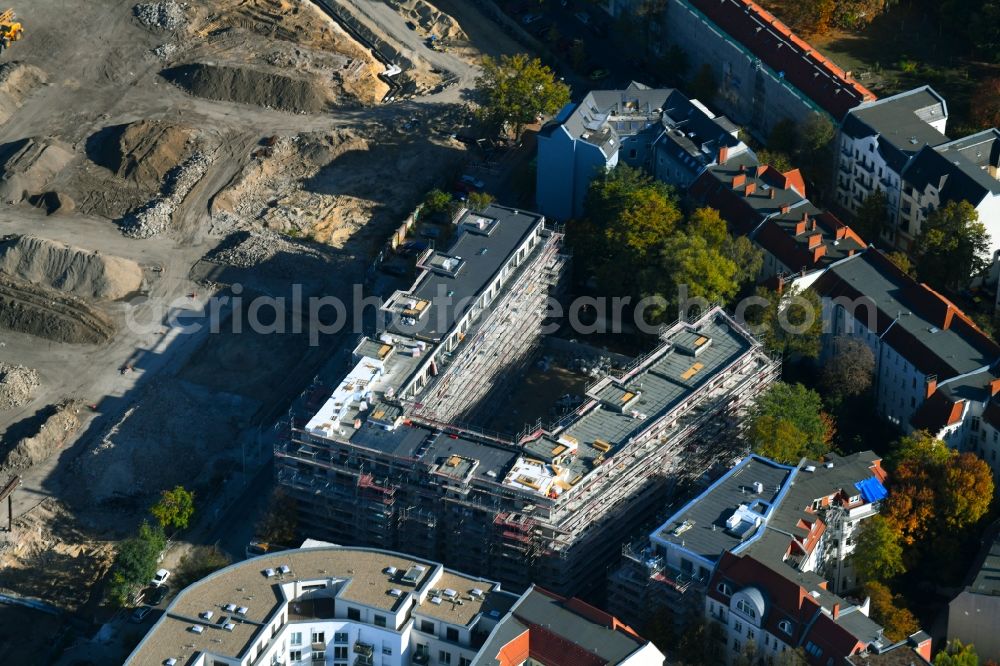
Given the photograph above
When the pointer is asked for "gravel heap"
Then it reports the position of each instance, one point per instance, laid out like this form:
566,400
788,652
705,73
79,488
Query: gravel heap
155,216
165,51
17,385
161,15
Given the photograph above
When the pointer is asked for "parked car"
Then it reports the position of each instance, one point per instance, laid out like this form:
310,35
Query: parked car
158,594
139,614
160,577
472,180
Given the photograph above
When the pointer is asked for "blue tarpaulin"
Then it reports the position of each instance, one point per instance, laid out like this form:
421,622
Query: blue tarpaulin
872,489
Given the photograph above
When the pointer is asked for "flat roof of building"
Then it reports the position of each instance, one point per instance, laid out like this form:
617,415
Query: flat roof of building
703,527
355,574
454,279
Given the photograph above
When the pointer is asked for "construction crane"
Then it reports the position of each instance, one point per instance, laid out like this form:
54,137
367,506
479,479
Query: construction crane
10,29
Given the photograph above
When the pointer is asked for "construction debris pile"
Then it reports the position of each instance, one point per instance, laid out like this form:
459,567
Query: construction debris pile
17,81
157,214
17,385
161,15
59,426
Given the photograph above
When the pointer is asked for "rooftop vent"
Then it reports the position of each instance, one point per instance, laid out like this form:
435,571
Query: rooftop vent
229,608
450,593
229,626
476,592
170,662
436,601
241,610
758,487
196,628
413,574
207,615
390,571
284,569
829,464
269,573
809,468
395,592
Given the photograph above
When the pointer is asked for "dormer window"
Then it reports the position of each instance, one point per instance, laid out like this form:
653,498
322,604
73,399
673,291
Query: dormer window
745,608
786,627
725,589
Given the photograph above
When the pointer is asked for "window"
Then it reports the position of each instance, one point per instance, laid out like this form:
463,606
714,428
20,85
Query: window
975,424
340,637
295,655
786,627
737,625
353,613
296,638
386,649
725,589
750,634
814,649
444,657
745,608
632,153
686,565
380,620
427,627
319,657
451,633
736,645
340,652
318,637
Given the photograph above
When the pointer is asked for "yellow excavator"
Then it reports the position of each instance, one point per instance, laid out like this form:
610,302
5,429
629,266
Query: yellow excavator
10,29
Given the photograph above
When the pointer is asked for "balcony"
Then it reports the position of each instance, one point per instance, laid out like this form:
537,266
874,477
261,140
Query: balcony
421,658
364,649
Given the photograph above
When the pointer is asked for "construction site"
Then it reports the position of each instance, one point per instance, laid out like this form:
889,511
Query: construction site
153,155
393,455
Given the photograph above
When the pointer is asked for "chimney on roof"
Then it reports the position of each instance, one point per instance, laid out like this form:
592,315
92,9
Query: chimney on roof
760,169
930,386
739,180
771,193
994,387
723,154
815,240
835,611
921,645
812,224
751,188
818,252
784,209
743,167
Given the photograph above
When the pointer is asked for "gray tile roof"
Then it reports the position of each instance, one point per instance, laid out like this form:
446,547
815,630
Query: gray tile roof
901,121
952,174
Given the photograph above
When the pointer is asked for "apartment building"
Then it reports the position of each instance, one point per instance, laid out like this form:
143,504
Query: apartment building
798,239
325,604
762,612
898,145
934,368
660,130
972,614
765,72
798,519
385,458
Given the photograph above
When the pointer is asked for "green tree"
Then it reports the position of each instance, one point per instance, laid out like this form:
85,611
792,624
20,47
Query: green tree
952,246
956,654
872,217
788,324
693,263
815,134
437,201
135,562
902,261
889,611
849,370
780,161
784,137
174,509
479,201
749,258
515,90
788,424
704,86
878,555
279,523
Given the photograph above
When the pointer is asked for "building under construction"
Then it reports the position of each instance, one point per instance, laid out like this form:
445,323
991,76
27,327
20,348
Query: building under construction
386,461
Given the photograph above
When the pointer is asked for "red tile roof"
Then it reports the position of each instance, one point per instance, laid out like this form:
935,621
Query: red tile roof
828,86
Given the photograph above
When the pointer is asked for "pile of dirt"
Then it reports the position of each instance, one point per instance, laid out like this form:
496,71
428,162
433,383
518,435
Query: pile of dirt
17,385
428,17
52,202
268,190
147,150
29,165
53,432
192,427
51,314
160,15
17,81
70,269
157,215
245,85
